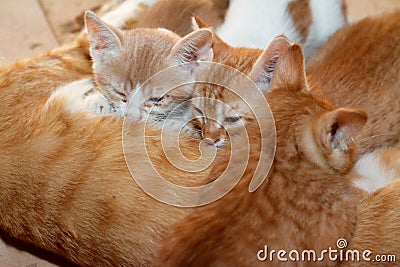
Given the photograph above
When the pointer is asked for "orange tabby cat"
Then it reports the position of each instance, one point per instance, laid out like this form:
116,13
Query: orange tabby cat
306,203
359,67
64,180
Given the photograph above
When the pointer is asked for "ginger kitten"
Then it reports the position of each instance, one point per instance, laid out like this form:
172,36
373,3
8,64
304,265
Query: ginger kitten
306,202
359,67
123,62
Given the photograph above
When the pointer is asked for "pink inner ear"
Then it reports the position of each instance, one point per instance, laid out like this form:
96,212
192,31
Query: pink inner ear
103,38
346,125
193,47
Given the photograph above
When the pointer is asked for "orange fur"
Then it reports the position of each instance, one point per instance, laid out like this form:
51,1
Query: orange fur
303,205
64,181
378,217
358,67
176,15
66,188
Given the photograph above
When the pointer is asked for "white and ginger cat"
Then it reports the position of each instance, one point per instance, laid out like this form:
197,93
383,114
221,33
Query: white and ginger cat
123,61
308,22
254,23
306,202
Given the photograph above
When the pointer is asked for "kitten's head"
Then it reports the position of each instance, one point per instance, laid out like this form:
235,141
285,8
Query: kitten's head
218,113
124,60
307,127
219,110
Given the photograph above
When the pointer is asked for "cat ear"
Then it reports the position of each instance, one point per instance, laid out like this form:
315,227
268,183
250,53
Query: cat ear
198,23
290,71
219,46
192,48
104,40
264,68
338,129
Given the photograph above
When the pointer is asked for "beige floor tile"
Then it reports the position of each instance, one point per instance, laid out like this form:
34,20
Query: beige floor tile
12,257
62,15
24,30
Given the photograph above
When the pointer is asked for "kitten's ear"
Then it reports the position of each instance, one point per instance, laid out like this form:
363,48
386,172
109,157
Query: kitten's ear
263,70
198,23
338,129
219,46
290,71
329,144
104,40
192,48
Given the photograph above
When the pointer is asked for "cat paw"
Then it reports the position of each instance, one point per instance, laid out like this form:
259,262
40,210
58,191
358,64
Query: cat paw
73,95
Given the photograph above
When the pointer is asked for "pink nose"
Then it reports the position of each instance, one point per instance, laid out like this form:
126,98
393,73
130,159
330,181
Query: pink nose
211,141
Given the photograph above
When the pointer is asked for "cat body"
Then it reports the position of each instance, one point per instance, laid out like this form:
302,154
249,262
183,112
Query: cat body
376,169
253,24
64,180
66,188
309,23
304,204
378,217
176,15
359,67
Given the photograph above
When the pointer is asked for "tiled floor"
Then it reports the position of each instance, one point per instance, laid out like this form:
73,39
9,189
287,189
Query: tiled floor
29,27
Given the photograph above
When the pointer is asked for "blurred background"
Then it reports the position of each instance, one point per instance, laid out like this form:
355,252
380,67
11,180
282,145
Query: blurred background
30,27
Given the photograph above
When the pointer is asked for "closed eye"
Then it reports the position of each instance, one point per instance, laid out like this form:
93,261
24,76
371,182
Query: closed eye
231,119
199,111
155,99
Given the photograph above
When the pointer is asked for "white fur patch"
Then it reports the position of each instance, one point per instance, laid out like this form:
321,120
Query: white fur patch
82,96
128,9
254,23
327,19
371,174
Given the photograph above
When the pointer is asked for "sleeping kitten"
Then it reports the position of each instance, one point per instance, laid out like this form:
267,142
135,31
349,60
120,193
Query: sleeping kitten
306,202
218,111
118,63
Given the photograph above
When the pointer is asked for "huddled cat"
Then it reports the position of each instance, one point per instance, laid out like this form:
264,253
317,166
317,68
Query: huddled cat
90,211
306,202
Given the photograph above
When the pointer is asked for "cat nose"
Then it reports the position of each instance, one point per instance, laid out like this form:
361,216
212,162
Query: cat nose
211,141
